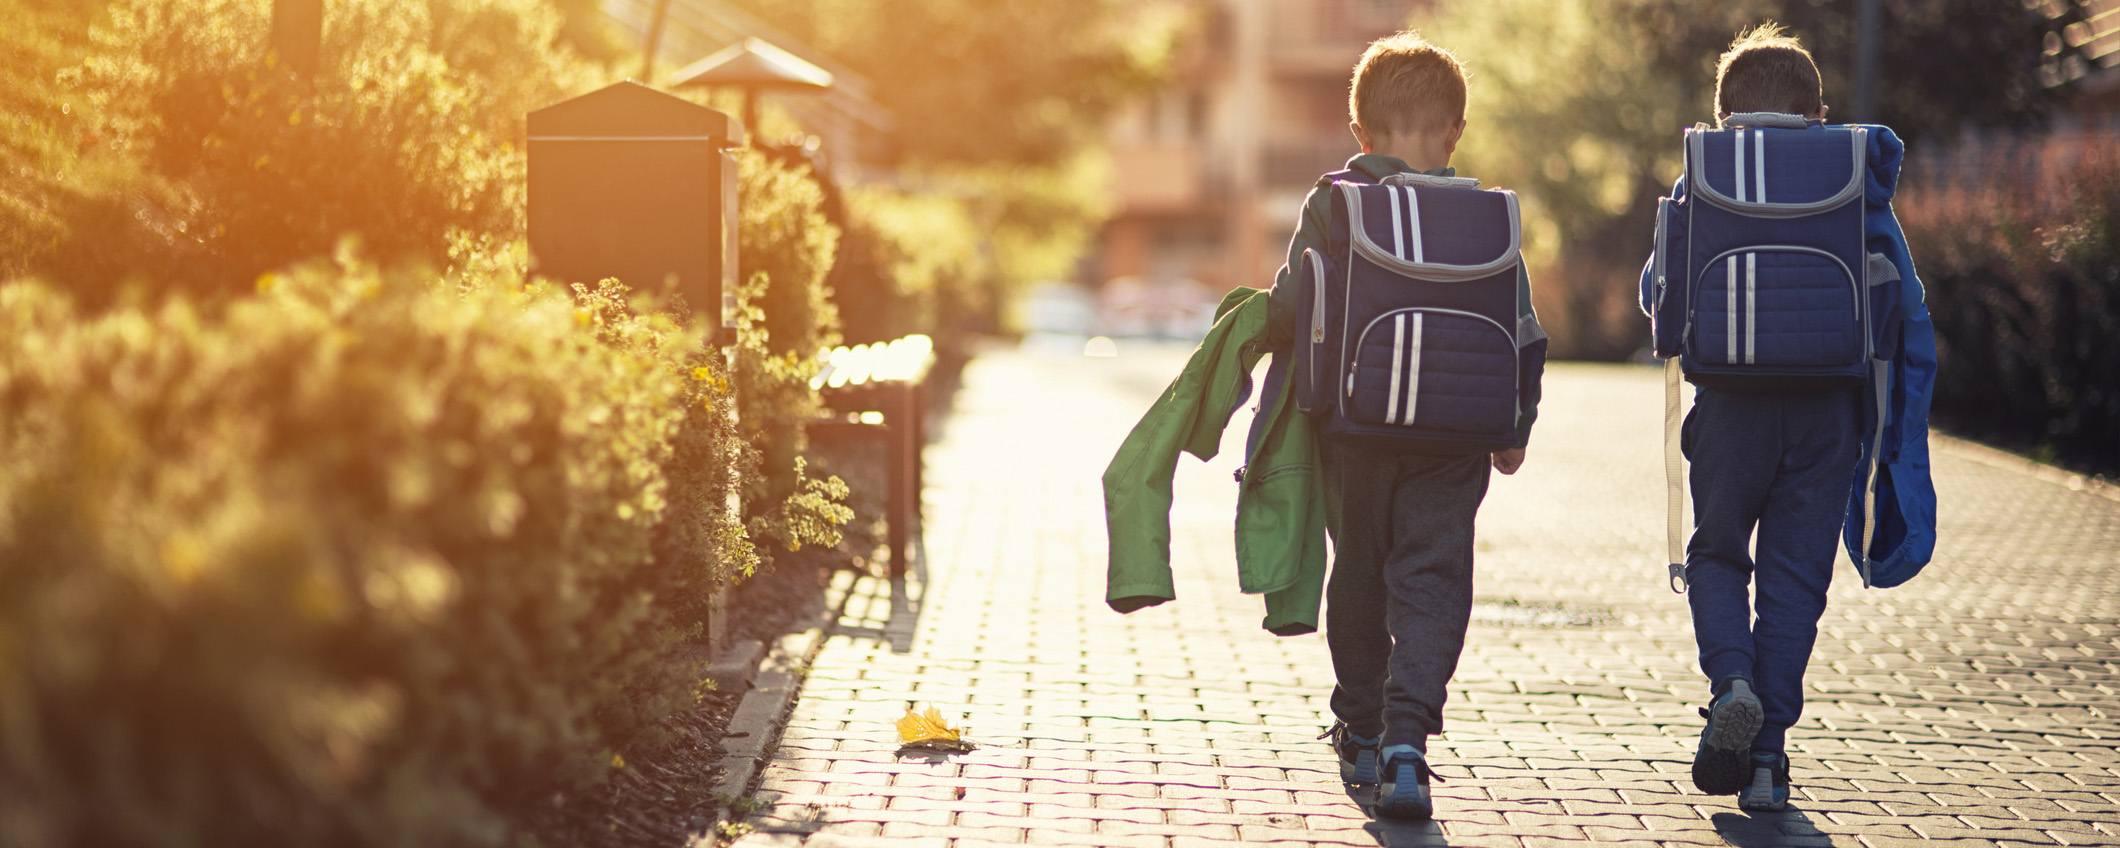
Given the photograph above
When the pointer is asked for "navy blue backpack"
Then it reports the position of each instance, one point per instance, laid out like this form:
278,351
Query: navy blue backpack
1406,334
1762,280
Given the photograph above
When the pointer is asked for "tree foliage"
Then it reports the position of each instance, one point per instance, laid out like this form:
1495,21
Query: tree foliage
998,107
978,81
228,166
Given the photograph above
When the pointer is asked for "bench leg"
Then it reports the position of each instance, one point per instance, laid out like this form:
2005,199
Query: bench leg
897,512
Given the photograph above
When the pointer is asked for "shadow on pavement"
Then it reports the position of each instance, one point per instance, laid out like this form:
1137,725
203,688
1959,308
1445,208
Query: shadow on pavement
906,595
1768,830
1393,833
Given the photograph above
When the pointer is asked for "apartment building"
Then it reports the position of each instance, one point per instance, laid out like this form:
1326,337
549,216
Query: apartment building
1209,173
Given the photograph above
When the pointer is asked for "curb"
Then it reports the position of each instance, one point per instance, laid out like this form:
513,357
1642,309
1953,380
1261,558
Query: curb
1999,458
776,681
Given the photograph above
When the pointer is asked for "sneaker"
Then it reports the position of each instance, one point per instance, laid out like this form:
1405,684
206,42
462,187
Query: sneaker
1769,791
1358,754
1722,764
1403,794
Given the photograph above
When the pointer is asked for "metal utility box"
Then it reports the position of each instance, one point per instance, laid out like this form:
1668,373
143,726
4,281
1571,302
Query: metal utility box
633,183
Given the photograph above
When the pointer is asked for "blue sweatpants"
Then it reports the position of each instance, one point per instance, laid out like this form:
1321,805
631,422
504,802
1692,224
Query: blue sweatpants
1780,464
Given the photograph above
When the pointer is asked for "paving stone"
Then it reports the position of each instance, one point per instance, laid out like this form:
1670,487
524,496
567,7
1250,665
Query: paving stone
1978,704
1096,840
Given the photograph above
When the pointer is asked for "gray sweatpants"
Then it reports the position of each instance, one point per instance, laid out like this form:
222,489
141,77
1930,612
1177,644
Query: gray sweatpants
1400,595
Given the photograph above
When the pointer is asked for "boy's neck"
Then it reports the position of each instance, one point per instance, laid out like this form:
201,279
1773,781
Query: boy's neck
1415,161
1421,151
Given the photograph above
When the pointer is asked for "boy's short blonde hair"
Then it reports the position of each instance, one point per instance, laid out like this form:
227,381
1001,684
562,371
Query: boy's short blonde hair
1767,70
1405,84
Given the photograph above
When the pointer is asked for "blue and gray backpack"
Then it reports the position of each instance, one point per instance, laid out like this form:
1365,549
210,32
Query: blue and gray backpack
1406,335
1763,279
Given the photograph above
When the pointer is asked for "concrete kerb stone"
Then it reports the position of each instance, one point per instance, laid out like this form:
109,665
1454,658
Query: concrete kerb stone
736,666
776,679
1997,458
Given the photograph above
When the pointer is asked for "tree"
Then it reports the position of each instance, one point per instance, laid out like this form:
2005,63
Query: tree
999,105
982,81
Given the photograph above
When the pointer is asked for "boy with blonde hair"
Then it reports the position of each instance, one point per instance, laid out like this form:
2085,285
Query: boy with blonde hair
1399,597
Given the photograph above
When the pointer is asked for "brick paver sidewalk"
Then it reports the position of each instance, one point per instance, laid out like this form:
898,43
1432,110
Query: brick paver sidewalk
1973,706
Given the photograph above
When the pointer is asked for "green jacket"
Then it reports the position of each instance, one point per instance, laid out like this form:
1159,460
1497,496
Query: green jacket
1280,507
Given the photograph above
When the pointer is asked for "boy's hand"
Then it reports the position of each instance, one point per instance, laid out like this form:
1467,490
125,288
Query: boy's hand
1508,461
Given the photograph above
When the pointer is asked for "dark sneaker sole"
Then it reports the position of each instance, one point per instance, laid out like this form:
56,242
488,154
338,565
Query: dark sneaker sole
1723,764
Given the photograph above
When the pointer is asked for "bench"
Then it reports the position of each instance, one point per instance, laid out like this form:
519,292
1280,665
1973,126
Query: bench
878,392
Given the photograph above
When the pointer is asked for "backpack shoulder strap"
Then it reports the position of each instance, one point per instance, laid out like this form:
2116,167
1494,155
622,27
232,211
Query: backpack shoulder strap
1347,174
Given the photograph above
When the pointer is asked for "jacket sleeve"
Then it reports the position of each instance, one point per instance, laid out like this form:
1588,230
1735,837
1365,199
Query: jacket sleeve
1905,523
1188,417
1310,233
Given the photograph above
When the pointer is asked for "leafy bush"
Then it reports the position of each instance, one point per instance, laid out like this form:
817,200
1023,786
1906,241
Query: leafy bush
2023,283
411,131
787,318
60,180
349,563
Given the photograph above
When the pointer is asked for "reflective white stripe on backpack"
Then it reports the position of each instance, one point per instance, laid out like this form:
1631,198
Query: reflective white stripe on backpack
1413,371
1751,300
1759,165
1738,163
1398,227
1398,356
1730,316
1413,215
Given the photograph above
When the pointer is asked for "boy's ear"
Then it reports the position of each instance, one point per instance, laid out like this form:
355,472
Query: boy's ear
1360,136
1451,137
1822,109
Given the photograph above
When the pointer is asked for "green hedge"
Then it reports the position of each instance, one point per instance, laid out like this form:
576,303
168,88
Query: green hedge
2023,283
348,564
787,318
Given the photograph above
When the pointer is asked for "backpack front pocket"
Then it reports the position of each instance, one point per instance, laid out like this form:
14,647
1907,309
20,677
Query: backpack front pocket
1777,306
1437,369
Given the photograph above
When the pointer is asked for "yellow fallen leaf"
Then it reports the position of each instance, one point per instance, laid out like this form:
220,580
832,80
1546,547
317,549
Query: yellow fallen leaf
915,728
929,730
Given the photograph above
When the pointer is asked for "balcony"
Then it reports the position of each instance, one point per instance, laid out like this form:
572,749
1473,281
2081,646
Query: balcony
1299,163
1156,178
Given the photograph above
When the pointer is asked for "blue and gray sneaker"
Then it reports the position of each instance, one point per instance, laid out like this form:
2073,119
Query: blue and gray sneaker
1722,764
1358,754
1769,791
1404,792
